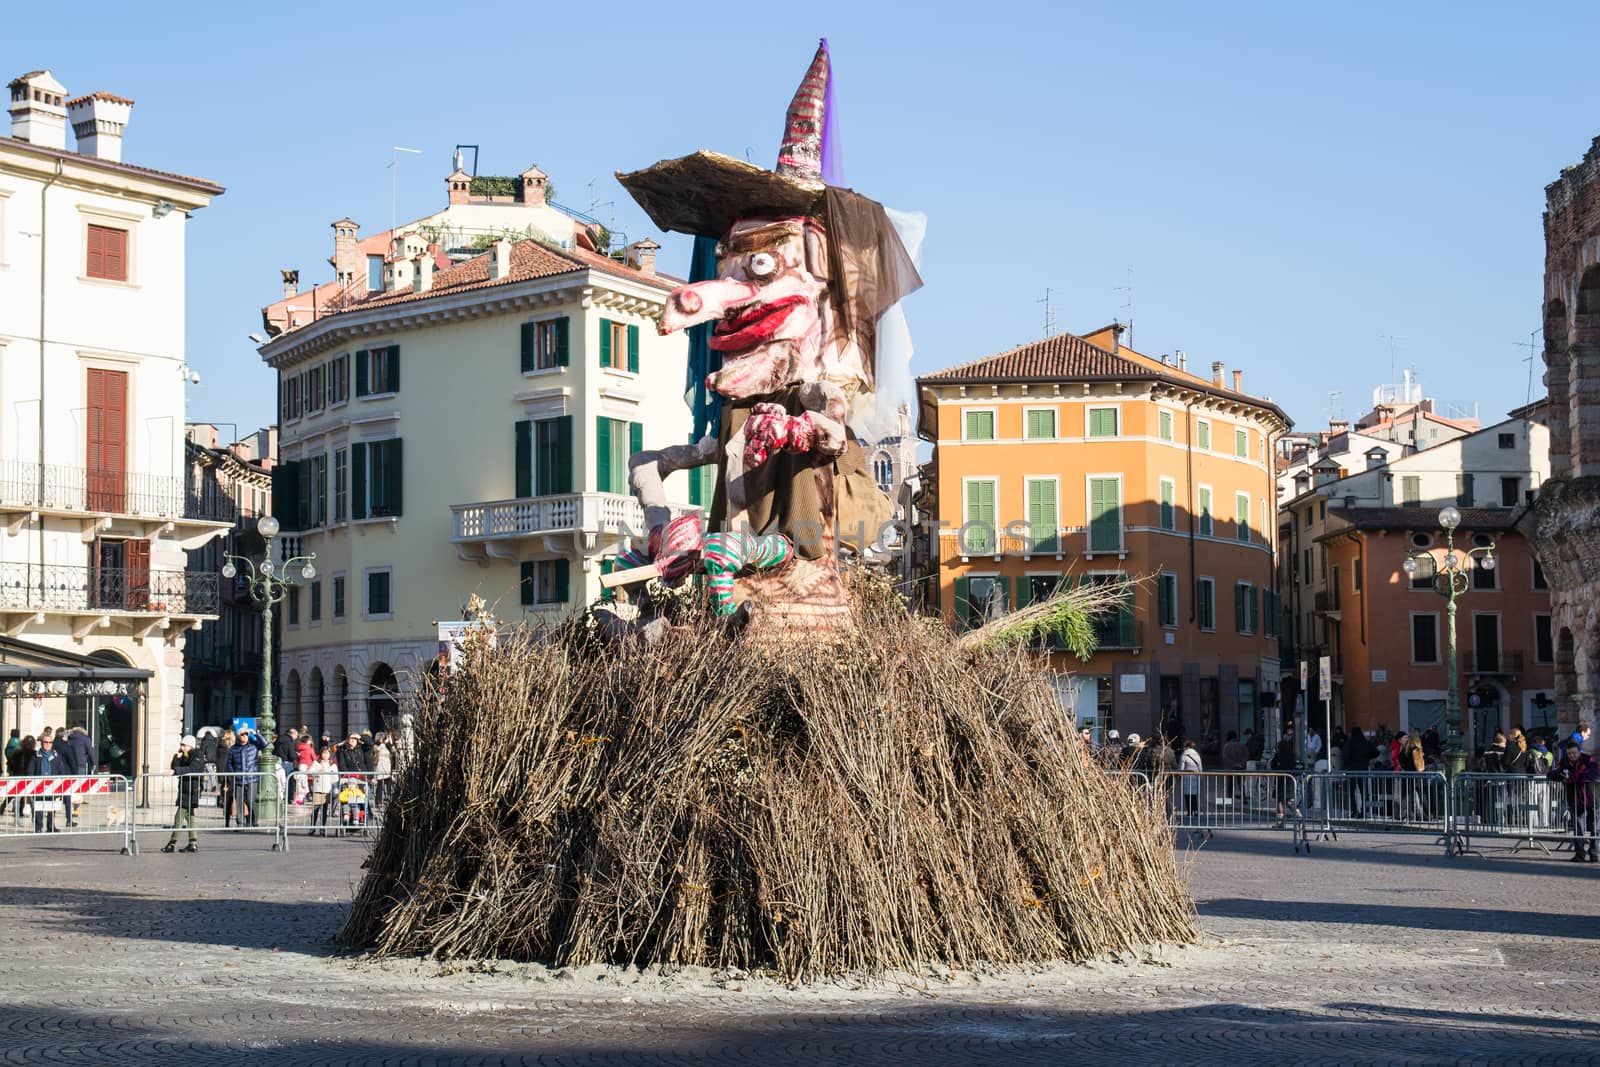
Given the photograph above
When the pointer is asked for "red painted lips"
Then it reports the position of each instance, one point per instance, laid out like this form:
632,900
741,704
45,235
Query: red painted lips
755,325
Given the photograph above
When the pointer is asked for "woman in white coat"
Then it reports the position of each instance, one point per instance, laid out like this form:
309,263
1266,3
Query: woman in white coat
1189,766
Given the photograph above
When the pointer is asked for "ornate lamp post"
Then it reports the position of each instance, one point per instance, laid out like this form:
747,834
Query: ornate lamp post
1452,576
268,586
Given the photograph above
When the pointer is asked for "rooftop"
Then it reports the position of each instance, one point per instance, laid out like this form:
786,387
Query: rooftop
198,184
1472,519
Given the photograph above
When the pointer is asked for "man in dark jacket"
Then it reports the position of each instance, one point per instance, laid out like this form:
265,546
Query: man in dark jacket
189,765
76,748
284,748
244,760
1577,774
46,763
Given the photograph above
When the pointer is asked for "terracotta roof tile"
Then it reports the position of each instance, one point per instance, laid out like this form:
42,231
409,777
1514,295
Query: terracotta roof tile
1057,358
212,188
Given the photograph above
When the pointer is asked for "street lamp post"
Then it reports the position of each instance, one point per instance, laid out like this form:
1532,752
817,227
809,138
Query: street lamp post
1450,581
270,587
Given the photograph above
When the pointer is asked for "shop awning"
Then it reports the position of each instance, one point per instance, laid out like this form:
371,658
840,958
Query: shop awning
24,661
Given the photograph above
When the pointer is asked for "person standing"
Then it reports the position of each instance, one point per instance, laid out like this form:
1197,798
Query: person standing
13,743
324,775
81,757
189,765
382,768
244,761
1283,761
224,776
1191,765
1577,773
46,763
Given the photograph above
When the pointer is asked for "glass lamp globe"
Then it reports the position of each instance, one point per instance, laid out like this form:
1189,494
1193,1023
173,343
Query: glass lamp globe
229,570
1449,518
1409,566
307,571
267,526
267,568
1451,562
1488,563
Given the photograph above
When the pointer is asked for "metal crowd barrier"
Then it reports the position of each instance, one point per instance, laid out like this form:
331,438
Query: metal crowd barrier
335,804
224,802
72,804
1206,801
1530,809
1379,802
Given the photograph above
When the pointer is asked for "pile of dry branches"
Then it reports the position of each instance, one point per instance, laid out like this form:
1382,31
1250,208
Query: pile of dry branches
856,803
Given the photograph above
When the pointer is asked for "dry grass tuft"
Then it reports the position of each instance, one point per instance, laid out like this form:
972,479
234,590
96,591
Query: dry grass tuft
829,806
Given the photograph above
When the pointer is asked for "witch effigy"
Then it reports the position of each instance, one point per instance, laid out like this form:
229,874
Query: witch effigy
784,339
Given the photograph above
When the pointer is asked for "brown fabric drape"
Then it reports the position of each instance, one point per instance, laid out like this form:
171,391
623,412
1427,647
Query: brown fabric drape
870,269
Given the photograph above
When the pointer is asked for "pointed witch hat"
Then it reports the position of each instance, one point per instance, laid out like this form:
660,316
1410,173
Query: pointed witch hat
705,193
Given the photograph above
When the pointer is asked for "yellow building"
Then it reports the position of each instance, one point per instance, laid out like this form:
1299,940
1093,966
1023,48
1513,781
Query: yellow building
1079,459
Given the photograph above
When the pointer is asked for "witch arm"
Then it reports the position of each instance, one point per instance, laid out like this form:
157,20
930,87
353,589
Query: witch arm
648,469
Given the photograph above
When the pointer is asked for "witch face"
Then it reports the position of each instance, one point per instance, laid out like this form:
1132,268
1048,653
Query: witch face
766,304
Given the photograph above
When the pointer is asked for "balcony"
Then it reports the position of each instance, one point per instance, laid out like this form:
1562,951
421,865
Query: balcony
1117,632
1492,662
93,596
155,502
1327,603
591,523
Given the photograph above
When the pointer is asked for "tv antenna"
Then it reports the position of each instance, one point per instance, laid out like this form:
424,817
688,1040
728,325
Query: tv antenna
1394,342
1128,307
394,184
1049,313
1333,405
1532,346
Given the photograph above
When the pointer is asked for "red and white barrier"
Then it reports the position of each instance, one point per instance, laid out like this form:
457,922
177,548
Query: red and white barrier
53,787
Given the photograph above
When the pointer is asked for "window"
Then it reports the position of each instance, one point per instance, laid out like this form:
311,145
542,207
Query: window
1041,423
1322,511
292,596
1410,490
1202,434
619,346
338,598
544,581
314,389
1543,647
380,603
1509,491
1464,491
1241,443
978,525
1105,514
314,492
1164,424
1241,514
544,345
1246,608
338,380
1508,440
552,456
978,425
316,601
883,471
1206,525
1167,599
374,274
978,599
1422,577
615,441
1483,577
1041,587
1102,422
1311,517
1355,575
1169,519
1205,603
341,484
289,397
1271,612
378,371
1044,521
376,479
107,253
1538,576
1425,637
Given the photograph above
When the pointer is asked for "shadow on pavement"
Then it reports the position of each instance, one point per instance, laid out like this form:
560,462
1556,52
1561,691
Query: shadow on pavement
1383,849
1520,923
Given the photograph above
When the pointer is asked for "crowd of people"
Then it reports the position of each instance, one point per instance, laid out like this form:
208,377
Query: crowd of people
54,753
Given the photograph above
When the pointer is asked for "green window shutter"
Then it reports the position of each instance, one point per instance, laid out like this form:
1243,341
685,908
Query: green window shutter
563,331
980,425
530,355
633,348
605,342
562,582
1125,621
1241,443
361,372
286,494
1241,512
1238,607
1041,424
394,368
394,476
1043,520
635,439
963,602
1203,435
980,515
358,480
528,586
1164,600
697,487
1105,515
1206,525
1255,610
1024,591
564,476
602,454
1166,425
1168,517
524,459
1464,495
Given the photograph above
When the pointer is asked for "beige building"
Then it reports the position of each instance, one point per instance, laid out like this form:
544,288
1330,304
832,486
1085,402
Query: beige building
463,432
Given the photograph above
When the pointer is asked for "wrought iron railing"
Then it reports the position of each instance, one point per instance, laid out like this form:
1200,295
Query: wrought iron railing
56,486
57,587
1493,661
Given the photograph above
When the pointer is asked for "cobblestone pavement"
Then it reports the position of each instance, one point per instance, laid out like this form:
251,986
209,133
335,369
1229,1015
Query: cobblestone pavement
1373,949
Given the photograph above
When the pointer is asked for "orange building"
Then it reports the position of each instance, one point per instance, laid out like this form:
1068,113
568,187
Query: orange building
1077,458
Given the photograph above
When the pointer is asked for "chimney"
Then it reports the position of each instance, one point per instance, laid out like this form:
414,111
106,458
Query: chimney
422,281
641,256
291,282
501,267
459,184
346,264
1116,337
39,110
97,122
1216,373
534,187
1238,381
1183,359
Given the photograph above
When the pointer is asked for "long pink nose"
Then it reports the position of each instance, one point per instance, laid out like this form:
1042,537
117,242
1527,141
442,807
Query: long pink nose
691,305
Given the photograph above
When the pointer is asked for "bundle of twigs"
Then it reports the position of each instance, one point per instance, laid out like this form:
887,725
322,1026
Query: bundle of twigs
863,802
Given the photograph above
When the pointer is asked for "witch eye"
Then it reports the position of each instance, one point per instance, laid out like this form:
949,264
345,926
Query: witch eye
762,264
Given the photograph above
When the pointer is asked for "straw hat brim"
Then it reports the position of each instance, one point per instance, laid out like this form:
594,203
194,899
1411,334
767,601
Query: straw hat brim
705,193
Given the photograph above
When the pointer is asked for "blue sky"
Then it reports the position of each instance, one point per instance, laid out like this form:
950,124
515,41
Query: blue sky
1288,185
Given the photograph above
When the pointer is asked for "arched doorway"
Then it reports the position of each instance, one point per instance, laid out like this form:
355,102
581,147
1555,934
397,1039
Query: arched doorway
341,694
314,702
112,720
1488,709
289,709
383,698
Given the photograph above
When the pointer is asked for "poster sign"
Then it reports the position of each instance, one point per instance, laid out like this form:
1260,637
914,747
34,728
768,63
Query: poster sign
1132,683
1379,677
244,722
1325,678
1303,676
451,634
